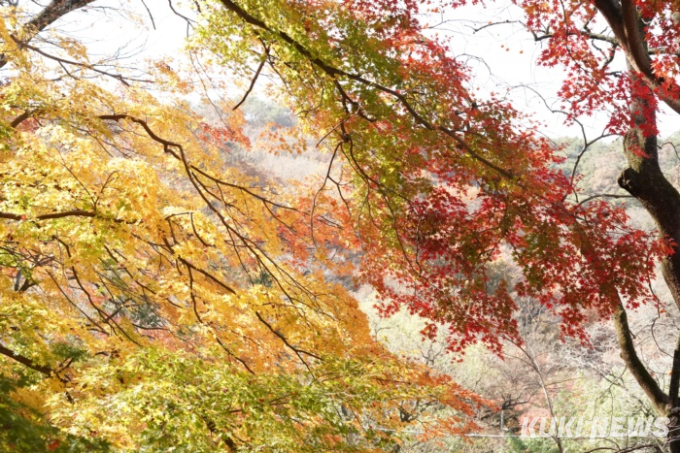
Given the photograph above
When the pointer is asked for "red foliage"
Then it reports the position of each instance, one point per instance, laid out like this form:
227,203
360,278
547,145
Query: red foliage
473,187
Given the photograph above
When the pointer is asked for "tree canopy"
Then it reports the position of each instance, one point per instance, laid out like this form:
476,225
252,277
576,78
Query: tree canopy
156,296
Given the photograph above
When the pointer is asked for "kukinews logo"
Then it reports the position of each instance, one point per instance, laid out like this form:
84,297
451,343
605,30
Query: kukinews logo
579,427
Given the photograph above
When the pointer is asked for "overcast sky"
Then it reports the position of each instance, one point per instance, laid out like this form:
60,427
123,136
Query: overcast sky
502,56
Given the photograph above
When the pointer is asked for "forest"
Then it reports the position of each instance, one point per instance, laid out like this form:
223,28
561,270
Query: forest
401,226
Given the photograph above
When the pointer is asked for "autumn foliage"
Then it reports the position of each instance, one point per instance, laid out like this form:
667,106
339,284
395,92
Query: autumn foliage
155,297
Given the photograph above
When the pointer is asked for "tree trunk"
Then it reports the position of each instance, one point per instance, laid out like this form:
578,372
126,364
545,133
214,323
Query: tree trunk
645,181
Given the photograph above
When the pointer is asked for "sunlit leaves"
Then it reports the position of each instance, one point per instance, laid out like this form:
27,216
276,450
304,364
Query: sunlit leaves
158,297
437,184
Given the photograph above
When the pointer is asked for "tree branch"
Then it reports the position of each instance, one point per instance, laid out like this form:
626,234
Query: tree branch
651,388
254,80
55,10
335,72
26,361
624,22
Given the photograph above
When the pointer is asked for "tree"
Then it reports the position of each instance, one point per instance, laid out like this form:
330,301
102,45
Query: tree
155,298
443,183
433,182
646,34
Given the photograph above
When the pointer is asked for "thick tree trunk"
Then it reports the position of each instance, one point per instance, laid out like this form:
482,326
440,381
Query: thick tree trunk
644,180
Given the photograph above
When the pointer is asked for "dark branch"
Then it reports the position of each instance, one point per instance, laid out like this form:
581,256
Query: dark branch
26,361
52,12
252,82
658,398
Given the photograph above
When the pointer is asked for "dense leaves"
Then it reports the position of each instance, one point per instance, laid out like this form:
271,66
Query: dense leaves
172,300
159,298
439,184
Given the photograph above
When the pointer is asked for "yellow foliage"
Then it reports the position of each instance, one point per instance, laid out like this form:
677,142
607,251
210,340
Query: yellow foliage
155,295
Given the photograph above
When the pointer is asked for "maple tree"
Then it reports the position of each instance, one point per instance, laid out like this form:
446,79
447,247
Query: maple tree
441,183
147,281
155,298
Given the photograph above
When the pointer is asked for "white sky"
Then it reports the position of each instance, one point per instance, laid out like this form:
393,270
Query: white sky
507,54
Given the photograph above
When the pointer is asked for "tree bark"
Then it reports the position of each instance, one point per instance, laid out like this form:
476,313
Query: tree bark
53,11
645,181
